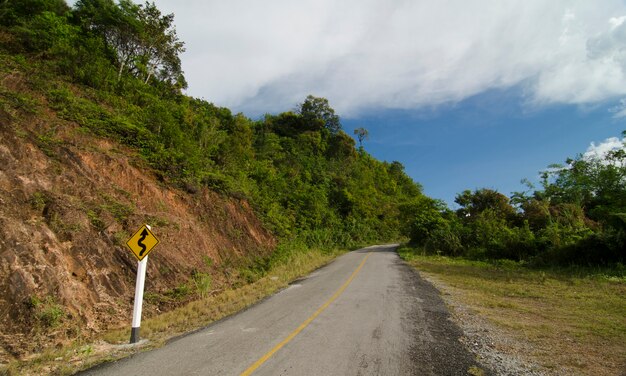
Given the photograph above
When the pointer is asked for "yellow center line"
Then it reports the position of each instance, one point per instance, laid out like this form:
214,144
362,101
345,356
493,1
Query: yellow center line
321,309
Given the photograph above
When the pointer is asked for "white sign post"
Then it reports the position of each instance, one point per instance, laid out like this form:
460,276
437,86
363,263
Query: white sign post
140,244
141,280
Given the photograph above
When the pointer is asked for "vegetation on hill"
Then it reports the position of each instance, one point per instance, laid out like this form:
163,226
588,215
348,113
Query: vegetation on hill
97,137
122,79
302,173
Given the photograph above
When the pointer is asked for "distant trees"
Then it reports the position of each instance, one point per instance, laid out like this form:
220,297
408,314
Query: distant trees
323,184
361,134
579,216
597,184
472,204
428,224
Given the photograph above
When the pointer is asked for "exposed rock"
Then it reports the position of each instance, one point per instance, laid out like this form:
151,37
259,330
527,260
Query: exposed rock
68,206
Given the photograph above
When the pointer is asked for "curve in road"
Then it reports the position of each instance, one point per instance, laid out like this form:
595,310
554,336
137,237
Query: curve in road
366,313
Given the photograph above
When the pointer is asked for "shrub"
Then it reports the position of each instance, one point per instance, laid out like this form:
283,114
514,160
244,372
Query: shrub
47,311
203,283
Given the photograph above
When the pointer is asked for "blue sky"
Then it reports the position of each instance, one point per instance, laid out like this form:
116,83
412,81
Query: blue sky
489,140
465,93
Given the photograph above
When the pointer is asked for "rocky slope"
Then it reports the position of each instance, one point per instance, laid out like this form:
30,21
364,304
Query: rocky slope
68,203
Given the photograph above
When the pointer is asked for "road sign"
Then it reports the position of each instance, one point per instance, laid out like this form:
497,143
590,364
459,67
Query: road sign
142,242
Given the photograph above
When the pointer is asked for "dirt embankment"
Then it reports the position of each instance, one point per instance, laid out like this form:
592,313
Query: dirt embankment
68,203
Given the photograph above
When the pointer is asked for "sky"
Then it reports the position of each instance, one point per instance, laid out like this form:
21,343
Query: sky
465,94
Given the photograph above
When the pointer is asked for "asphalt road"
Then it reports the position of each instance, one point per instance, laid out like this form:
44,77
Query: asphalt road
367,313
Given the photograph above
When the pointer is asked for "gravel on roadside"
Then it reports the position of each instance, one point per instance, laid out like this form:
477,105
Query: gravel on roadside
493,347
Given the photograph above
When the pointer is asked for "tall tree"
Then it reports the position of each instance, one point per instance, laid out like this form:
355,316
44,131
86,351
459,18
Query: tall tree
116,24
160,46
143,41
361,134
315,109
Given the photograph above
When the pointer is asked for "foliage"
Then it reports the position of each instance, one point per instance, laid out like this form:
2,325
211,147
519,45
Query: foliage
13,12
47,311
113,68
577,218
179,292
143,41
98,42
317,110
473,204
38,201
203,283
361,134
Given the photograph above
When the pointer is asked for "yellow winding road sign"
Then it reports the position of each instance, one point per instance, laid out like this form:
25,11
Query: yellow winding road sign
142,242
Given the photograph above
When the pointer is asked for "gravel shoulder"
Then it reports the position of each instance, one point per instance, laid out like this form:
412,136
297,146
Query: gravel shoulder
493,347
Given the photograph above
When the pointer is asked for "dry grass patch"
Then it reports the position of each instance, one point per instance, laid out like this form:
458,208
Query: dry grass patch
574,319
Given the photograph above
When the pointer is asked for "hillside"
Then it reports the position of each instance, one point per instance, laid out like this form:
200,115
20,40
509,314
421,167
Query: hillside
92,146
68,204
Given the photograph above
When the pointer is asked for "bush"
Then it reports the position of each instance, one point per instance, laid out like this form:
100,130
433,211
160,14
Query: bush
47,311
444,240
203,283
605,248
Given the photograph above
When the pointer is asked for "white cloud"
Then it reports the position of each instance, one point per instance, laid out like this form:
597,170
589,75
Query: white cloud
600,150
267,56
619,111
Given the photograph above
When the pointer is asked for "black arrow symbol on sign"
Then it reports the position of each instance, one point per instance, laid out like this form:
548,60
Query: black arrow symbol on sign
144,233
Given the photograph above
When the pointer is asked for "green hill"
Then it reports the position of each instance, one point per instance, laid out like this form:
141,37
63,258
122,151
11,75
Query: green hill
97,138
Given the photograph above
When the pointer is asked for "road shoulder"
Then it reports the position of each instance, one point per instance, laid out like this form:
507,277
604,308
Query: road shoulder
440,346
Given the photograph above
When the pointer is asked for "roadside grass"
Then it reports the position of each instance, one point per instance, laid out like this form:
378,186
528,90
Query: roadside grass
574,318
113,344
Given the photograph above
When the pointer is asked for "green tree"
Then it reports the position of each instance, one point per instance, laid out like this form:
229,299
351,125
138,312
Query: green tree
48,33
341,147
14,12
361,134
318,110
160,47
117,24
595,184
473,203
142,40
428,224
